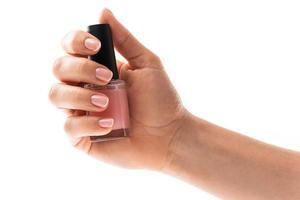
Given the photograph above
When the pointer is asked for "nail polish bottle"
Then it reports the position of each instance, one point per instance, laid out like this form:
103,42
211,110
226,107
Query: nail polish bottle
115,89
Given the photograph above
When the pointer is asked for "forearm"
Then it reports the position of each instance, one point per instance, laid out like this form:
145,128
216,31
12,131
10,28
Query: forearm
231,165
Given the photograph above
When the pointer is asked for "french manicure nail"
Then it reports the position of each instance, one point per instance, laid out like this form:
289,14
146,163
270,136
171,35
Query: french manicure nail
103,74
106,123
99,100
92,44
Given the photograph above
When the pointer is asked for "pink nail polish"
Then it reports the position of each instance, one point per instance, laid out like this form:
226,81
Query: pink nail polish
115,90
103,74
106,123
92,44
99,100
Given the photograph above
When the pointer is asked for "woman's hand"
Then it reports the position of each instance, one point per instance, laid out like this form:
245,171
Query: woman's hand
156,112
164,136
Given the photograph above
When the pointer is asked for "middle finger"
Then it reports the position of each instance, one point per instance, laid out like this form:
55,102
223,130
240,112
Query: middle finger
72,97
77,69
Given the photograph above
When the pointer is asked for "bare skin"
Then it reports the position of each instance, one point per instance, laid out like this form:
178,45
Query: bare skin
164,135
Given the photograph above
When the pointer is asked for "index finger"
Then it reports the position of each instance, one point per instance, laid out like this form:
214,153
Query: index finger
80,43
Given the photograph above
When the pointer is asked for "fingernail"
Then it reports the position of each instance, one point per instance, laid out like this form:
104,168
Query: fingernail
103,74
99,100
106,123
107,10
92,44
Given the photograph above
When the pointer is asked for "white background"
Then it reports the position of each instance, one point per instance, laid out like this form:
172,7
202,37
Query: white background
234,63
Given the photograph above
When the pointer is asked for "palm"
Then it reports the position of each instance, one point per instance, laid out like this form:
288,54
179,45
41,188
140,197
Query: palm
154,106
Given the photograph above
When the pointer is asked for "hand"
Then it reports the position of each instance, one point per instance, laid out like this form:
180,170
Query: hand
156,112
164,136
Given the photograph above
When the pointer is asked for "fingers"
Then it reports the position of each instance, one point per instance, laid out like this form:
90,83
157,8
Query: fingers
77,69
83,126
83,44
136,54
80,43
72,97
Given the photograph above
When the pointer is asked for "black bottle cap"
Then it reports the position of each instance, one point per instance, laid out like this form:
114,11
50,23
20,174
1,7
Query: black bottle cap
106,54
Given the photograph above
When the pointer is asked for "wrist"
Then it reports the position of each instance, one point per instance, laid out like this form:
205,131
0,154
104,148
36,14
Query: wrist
185,145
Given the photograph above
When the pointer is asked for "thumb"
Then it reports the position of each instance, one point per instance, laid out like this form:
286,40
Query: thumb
127,45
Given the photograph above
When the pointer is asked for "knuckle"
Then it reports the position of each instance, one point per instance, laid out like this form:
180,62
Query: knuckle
154,58
68,125
150,59
57,66
72,41
53,93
